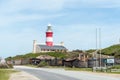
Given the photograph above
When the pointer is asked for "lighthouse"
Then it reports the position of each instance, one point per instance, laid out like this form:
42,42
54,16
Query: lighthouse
49,46
49,36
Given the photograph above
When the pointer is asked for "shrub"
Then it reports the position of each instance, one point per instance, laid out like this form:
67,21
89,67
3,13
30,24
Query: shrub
6,66
10,65
3,66
116,67
42,64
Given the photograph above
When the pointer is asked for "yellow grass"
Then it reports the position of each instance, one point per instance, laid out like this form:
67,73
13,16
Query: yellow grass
5,73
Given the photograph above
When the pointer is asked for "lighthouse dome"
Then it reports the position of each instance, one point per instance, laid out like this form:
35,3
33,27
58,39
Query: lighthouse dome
49,24
49,28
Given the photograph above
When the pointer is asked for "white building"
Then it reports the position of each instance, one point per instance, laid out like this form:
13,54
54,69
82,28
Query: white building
49,46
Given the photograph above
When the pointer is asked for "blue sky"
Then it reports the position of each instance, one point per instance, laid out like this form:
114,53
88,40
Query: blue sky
73,21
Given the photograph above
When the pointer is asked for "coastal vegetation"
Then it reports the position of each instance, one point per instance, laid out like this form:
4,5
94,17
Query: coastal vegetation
32,55
113,50
5,73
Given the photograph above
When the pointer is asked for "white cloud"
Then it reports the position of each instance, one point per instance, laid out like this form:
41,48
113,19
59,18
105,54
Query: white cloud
104,3
18,5
8,20
15,6
11,10
93,3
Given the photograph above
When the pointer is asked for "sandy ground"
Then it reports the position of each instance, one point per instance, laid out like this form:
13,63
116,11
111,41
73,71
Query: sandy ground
22,76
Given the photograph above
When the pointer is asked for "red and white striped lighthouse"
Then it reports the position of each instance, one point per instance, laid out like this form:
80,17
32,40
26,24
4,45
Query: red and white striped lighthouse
49,36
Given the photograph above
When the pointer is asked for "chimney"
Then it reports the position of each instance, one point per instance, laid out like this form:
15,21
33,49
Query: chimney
62,43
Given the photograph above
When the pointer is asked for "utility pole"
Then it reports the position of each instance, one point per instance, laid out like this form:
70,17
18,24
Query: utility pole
100,44
119,40
84,58
96,48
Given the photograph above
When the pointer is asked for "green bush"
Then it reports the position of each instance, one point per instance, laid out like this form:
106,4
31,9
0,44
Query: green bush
113,50
116,67
10,65
42,64
32,55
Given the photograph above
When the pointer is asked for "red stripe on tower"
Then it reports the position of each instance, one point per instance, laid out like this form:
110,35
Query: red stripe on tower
49,36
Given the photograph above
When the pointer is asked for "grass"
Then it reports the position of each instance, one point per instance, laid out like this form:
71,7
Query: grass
116,67
30,65
90,70
36,66
5,73
114,72
79,69
76,69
